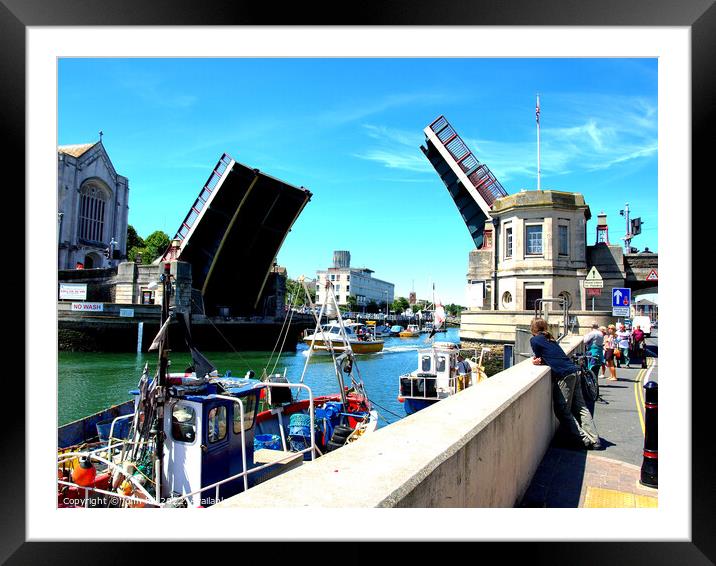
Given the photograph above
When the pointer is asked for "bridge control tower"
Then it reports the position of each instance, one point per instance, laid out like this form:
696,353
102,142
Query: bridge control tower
470,183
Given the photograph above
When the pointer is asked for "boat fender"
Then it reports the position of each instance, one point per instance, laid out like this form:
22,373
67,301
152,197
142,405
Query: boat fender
84,472
125,488
401,399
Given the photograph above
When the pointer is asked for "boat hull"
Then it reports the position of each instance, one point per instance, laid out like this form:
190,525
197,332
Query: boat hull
356,347
414,405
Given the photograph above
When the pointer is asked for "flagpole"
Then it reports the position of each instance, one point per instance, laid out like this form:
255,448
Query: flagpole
539,170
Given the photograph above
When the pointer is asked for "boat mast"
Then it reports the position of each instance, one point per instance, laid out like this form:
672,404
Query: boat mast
160,391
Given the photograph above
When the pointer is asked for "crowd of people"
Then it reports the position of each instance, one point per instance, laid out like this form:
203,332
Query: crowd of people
610,348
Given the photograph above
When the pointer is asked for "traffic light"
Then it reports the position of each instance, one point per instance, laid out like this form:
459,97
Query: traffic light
636,226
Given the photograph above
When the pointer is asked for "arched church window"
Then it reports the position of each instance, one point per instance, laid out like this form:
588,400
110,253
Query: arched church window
93,202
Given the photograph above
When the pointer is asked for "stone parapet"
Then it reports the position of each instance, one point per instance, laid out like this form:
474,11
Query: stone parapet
452,454
501,326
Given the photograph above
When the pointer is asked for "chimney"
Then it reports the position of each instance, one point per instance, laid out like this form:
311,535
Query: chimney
602,229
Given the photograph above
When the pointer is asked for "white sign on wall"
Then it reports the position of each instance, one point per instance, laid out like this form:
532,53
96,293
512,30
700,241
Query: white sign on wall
76,291
88,307
475,292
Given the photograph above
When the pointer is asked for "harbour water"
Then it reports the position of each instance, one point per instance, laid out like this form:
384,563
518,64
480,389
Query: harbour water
90,382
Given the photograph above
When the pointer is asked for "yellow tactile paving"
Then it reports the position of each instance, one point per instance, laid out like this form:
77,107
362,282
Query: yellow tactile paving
598,497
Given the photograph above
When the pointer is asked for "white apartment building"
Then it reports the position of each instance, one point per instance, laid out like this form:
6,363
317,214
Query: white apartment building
350,281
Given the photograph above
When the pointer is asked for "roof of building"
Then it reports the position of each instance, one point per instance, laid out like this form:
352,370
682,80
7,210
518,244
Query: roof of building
541,199
76,150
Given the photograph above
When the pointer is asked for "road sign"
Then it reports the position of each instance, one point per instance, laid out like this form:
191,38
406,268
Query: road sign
620,311
621,297
593,292
653,276
593,280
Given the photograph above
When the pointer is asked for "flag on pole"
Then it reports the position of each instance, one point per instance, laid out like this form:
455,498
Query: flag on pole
438,319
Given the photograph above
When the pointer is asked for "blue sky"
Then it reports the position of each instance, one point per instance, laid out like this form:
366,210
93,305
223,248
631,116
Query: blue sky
350,130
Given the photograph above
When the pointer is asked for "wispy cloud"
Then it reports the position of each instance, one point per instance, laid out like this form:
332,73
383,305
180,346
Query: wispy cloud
359,110
578,133
151,89
395,149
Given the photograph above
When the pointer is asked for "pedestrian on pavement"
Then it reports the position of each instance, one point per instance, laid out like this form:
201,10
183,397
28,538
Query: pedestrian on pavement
638,340
569,405
603,330
594,345
609,347
623,338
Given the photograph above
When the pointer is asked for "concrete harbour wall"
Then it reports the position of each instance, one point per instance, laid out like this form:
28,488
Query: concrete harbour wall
479,448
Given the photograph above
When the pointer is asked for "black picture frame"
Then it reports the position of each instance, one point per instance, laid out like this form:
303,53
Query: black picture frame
698,15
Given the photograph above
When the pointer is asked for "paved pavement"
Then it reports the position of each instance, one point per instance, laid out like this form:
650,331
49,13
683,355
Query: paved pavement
605,478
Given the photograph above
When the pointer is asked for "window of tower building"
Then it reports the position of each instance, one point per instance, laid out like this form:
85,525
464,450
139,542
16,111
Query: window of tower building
507,299
566,296
563,239
508,242
533,239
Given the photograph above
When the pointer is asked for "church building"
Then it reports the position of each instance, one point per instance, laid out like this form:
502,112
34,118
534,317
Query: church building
92,208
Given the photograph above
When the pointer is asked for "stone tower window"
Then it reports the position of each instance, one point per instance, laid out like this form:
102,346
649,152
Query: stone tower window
566,296
93,201
507,299
533,237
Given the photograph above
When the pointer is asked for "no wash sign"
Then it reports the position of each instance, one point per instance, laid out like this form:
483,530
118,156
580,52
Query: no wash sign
88,307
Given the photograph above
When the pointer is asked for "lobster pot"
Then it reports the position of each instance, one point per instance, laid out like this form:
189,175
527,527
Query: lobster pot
270,441
299,431
299,425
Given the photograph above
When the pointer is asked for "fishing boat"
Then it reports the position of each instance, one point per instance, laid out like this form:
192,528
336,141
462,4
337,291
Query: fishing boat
437,376
412,331
354,336
192,438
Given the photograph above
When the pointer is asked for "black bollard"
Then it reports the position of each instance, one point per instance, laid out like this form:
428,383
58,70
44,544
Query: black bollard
649,467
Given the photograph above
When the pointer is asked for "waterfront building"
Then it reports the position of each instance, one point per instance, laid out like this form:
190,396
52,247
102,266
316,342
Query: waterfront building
93,208
355,282
529,246
534,247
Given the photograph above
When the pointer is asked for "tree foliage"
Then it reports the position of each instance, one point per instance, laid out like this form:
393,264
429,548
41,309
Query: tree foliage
400,304
151,247
134,240
296,295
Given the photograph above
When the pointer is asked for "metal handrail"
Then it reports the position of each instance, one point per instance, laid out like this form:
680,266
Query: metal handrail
452,386
565,313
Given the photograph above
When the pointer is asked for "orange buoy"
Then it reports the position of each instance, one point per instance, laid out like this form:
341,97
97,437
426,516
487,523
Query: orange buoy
400,399
125,488
84,473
